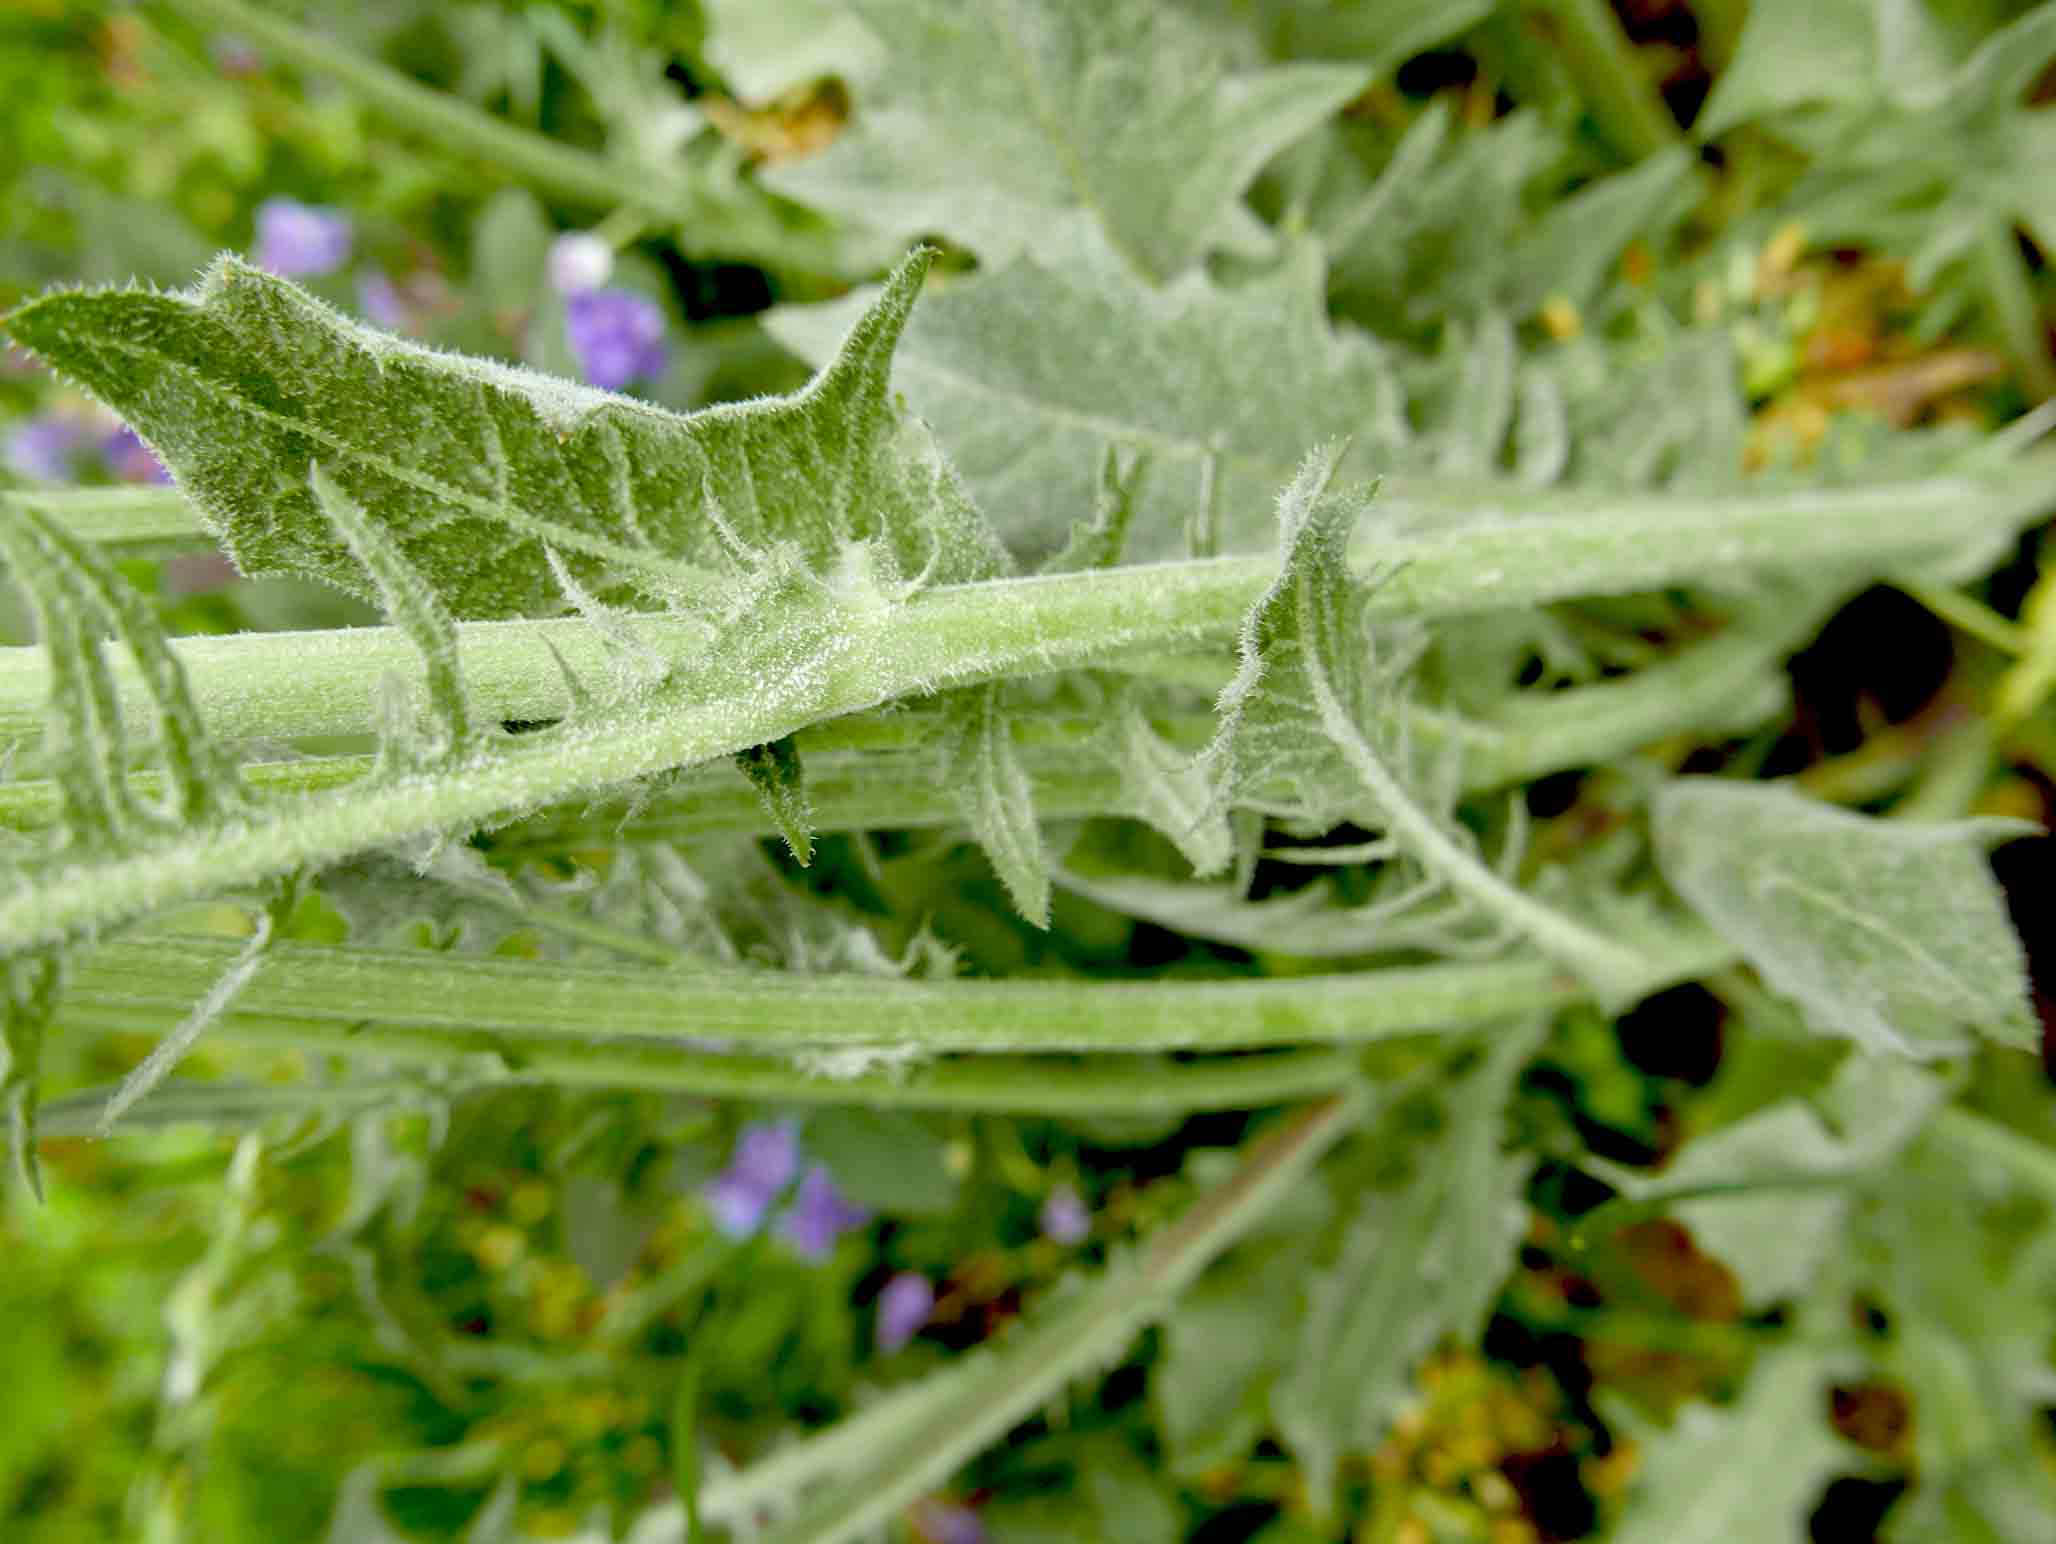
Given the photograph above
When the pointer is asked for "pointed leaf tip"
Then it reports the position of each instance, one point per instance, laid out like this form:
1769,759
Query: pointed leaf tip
775,772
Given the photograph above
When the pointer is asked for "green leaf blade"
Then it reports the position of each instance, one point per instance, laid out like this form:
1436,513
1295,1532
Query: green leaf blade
1892,934
475,468
1120,113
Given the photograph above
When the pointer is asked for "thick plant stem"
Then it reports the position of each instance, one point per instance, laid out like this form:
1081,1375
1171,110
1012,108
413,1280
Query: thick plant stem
1074,1087
378,999
884,769
1522,551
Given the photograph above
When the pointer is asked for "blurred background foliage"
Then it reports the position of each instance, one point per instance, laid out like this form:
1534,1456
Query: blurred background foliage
472,1321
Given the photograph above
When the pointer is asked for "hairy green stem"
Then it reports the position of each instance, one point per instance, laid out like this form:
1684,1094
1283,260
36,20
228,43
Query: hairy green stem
884,769
1070,1086
1524,551
483,1003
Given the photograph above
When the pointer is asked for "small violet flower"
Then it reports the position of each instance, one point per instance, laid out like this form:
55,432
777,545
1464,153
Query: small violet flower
617,336
301,241
766,1157
945,1522
903,1307
1064,1219
43,448
819,1215
129,459
579,262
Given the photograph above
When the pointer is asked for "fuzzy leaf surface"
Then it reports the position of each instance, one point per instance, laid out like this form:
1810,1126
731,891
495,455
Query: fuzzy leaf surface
1118,112
1418,1260
1750,1470
1893,934
474,468
1911,151
1031,373
1311,709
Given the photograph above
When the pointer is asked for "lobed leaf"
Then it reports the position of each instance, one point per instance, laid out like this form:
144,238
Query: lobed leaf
475,469
1751,1470
1311,708
1893,934
1418,1261
1117,113
1031,374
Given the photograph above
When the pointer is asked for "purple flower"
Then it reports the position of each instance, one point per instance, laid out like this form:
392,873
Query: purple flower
945,1522
578,262
819,1215
903,1307
617,336
43,448
380,301
301,241
1064,1219
129,459
766,1156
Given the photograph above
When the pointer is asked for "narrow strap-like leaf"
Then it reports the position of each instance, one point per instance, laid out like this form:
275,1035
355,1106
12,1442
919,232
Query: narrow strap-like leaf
32,982
998,800
411,603
918,1442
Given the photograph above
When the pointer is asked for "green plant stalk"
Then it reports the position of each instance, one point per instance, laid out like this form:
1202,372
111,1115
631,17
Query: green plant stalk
1617,90
1052,1086
127,522
1069,1335
883,769
1501,556
1720,28
376,998
569,173
847,1447
2010,294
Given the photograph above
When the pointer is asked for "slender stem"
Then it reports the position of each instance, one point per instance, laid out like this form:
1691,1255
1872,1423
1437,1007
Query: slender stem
1498,555
919,1444
1618,91
128,522
578,175
377,999
1720,28
1068,1086
882,769
1969,616
2010,293
729,218
1985,1140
